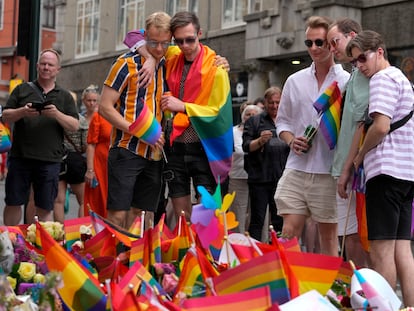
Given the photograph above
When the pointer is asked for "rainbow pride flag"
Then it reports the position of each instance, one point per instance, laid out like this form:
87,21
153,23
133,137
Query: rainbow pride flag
208,106
83,291
257,299
329,105
72,229
260,271
5,141
327,98
135,276
146,127
313,271
191,281
140,251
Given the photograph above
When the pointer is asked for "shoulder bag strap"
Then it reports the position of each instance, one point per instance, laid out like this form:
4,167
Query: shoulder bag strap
37,90
401,122
404,120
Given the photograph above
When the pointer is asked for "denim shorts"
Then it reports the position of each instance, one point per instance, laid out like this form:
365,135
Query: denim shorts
186,161
24,173
133,181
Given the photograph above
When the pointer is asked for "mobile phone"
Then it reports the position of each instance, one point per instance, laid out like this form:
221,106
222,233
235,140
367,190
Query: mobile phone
38,105
94,183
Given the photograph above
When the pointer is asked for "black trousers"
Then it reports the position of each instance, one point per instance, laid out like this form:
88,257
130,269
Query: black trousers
262,195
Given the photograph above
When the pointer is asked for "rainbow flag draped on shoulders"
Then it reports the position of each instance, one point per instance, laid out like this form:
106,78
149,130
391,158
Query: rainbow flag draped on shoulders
208,106
329,106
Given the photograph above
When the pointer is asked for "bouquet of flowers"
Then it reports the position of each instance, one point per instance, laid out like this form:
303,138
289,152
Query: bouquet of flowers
54,228
28,282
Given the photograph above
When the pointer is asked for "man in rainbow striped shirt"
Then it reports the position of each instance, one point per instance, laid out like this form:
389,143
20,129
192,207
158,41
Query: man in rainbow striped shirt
134,175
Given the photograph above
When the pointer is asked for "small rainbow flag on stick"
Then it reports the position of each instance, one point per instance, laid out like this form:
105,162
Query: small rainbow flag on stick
146,127
329,106
328,97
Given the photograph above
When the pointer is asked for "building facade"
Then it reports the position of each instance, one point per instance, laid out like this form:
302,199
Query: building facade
14,68
262,39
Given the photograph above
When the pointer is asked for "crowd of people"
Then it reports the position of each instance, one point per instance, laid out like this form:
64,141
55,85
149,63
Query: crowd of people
297,183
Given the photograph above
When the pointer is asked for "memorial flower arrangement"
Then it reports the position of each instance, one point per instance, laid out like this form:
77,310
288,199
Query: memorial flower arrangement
25,282
54,228
165,268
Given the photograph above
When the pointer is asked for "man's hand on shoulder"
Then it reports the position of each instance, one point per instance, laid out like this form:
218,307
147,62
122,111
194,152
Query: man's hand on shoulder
146,72
221,61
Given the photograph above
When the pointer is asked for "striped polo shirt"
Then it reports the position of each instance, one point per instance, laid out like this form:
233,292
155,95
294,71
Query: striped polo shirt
391,95
123,77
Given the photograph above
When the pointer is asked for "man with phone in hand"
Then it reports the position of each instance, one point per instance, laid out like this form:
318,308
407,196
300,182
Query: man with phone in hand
40,111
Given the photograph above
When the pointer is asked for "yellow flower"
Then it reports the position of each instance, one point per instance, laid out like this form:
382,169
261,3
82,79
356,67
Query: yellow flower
39,278
26,271
12,282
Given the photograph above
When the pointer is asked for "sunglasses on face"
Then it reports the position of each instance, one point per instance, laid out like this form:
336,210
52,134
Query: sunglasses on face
318,42
334,41
154,44
362,58
189,40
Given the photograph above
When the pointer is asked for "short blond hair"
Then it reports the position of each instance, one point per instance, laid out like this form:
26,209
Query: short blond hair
159,20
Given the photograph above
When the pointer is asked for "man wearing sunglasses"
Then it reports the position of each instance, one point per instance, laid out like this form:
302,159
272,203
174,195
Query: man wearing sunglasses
134,175
201,103
306,188
354,107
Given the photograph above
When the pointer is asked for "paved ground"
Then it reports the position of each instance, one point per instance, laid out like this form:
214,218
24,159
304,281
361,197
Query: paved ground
73,206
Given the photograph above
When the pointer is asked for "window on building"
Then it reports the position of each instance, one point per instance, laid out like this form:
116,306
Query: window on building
174,6
234,10
131,17
1,13
49,13
87,27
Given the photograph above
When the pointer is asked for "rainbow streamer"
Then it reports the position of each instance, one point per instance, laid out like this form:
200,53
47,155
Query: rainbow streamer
329,104
146,127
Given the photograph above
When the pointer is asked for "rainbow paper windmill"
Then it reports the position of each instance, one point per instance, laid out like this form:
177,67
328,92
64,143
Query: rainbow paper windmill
146,127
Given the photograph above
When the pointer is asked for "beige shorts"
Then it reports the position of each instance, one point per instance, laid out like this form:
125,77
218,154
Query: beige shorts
352,222
307,194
